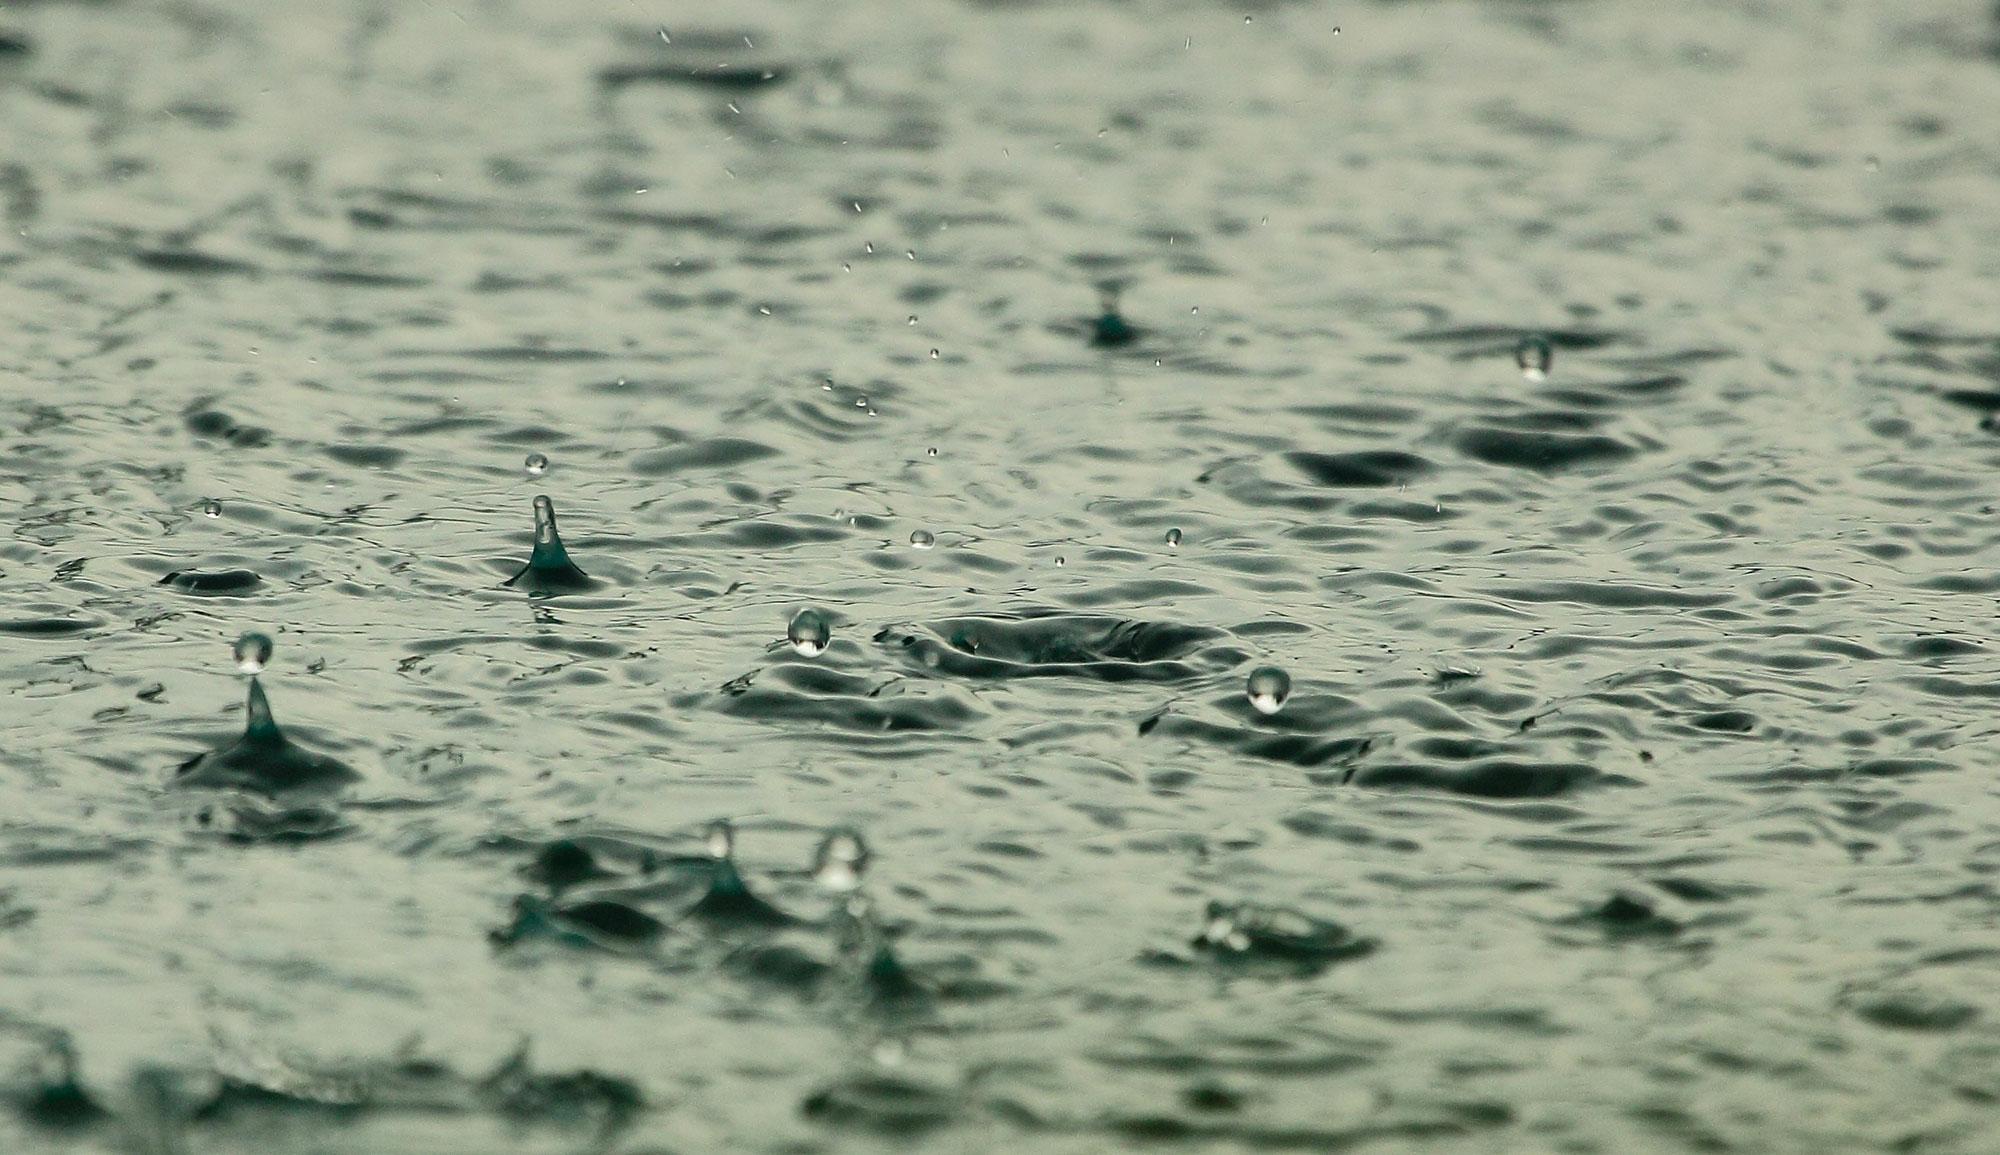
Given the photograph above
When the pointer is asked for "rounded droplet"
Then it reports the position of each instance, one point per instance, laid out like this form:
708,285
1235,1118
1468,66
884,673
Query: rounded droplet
1060,561
721,839
537,464
1174,538
913,318
934,354
809,633
253,652
922,539
1268,688
211,508
931,452
1534,355
841,860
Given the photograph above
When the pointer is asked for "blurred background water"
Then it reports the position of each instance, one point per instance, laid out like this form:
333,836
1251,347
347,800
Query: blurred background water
1634,790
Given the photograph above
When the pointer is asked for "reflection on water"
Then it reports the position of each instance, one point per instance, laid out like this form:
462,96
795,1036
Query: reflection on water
1489,502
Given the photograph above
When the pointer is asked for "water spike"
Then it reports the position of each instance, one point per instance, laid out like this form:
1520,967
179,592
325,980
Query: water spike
549,569
259,725
729,901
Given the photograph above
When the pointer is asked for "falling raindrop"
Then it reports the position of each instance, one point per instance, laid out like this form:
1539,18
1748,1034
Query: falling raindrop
809,633
1268,688
931,452
840,861
922,538
1173,538
253,652
536,465
1534,355
913,318
1060,562
211,508
721,839
934,354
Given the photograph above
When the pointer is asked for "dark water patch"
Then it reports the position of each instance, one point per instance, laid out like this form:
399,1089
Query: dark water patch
714,453
213,583
1725,722
1539,450
884,1104
1055,644
1495,778
1467,342
719,76
595,923
1367,468
190,262
1627,916
209,423
367,456
51,627
797,693
1606,595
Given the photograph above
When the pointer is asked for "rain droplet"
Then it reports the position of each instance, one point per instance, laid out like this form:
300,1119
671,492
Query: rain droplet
840,861
809,633
861,402
1268,688
931,452
720,839
253,651
1060,562
910,253
1174,538
922,539
1534,355
934,354
913,318
536,465
211,508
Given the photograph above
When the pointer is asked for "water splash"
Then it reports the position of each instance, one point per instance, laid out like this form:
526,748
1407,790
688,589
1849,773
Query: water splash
263,760
549,569
1248,932
729,900
1111,330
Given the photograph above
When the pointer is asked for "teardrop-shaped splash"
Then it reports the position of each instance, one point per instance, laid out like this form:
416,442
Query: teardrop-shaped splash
263,760
549,570
729,900
1111,330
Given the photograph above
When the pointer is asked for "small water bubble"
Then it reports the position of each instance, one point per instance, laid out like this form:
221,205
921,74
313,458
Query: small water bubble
922,539
809,633
1534,355
861,402
934,354
1061,561
536,464
913,318
1194,310
211,508
840,861
720,839
1246,20
931,452
1174,538
1268,688
252,652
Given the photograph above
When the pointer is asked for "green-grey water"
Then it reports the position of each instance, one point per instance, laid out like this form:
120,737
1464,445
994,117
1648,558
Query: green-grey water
1585,411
